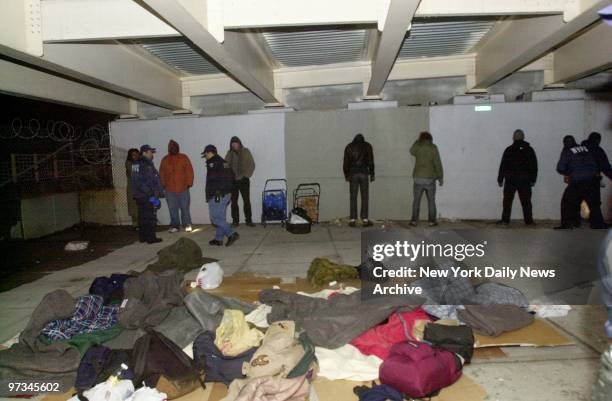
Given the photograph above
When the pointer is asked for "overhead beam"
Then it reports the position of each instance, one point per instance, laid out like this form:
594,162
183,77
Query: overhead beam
399,19
20,26
515,43
336,74
237,55
16,79
588,54
86,20
111,67
70,20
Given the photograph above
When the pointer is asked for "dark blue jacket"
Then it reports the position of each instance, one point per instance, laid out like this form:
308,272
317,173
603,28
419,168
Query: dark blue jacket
577,163
601,158
219,177
145,179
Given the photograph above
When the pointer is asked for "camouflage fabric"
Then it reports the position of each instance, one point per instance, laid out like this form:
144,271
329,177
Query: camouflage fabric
183,256
322,271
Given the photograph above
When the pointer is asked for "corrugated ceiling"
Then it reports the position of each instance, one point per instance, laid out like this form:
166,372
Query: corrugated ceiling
180,55
305,47
443,38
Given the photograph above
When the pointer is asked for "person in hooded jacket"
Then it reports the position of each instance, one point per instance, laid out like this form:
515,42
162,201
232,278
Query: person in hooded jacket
146,190
132,156
241,161
518,172
358,168
427,170
581,173
176,173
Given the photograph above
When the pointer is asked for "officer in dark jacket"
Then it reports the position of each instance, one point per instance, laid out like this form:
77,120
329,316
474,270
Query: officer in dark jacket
358,169
601,158
581,173
518,172
146,190
219,186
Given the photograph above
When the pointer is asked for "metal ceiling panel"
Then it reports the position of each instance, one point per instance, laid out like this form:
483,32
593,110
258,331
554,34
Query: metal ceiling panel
443,38
180,55
308,47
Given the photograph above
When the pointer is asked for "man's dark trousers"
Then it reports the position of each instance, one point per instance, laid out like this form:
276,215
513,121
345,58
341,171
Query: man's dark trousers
147,221
575,192
241,187
361,183
524,191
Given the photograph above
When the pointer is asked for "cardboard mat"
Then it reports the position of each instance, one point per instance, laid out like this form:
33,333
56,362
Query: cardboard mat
538,334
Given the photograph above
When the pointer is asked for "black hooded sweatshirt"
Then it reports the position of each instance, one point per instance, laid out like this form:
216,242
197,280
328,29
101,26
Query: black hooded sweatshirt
519,164
358,158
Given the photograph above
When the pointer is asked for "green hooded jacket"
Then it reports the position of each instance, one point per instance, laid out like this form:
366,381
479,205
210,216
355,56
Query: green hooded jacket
428,163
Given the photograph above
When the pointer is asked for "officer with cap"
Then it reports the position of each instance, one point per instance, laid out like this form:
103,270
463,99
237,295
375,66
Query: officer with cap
146,190
219,186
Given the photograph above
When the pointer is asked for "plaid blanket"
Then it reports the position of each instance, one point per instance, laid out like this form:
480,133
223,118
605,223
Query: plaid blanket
89,315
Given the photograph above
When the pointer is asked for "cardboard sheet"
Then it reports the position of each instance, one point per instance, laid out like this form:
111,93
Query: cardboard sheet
538,334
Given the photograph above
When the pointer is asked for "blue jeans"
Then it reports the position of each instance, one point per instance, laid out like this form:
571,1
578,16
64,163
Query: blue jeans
430,192
218,214
179,201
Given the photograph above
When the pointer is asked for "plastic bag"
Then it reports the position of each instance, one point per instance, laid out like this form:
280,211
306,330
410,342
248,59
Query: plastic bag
108,392
210,276
147,394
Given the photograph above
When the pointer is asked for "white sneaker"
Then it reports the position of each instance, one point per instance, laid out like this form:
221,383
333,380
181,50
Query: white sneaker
188,229
173,230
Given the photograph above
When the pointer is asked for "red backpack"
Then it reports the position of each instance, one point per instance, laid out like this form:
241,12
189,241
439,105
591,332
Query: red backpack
418,369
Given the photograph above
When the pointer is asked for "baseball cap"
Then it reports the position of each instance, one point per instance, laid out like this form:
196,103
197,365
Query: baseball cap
209,148
145,148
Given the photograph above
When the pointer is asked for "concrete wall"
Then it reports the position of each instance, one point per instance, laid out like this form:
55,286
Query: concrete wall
261,133
315,142
45,215
471,144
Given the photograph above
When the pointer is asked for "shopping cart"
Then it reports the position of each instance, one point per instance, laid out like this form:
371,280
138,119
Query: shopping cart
307,197
274,201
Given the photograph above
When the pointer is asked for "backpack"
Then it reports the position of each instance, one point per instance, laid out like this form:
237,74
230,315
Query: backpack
97,365
457,339
218,367
160,363
418,369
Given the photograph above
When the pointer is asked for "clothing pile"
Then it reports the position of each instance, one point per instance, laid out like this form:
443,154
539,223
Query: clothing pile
144,337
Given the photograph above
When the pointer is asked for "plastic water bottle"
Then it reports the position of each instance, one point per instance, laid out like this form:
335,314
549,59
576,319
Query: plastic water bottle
115,377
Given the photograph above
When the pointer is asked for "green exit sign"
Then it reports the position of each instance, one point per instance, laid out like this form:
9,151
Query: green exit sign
485,107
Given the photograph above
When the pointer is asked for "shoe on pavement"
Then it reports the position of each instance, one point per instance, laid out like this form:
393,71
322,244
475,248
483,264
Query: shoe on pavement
188,229
250,224
154,240
432,224
173,230
531,223
562,227
235,224
502,223
367,223
231,239
352,223
215,242
413,223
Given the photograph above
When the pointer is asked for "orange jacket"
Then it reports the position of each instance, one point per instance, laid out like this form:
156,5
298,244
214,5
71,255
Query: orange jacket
176,172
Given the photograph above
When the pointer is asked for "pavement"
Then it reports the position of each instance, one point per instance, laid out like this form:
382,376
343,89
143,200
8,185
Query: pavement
548,373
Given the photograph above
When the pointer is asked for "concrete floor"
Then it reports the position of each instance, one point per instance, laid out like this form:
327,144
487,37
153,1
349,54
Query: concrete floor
560,373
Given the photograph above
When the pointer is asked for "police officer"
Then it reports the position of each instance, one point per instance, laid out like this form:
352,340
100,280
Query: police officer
219,186
146,190
581,173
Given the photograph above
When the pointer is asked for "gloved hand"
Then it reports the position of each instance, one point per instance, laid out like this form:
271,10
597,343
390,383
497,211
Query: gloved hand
500,183
372,178
441,182
154,200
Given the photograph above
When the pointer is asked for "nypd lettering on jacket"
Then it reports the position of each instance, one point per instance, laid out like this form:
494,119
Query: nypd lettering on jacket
579,149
